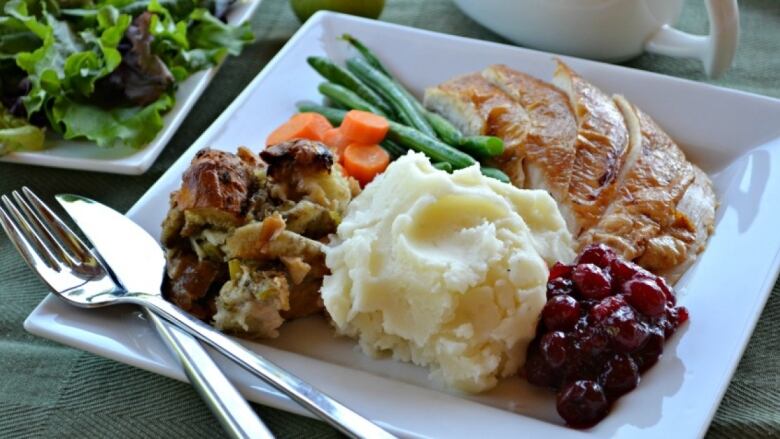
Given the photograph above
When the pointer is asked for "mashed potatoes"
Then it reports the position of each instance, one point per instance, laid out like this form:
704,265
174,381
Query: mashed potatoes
444,270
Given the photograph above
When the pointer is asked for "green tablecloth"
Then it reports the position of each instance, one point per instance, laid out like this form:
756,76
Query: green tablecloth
49,390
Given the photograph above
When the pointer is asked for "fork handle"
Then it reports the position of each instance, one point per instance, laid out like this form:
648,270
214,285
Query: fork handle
330,410
230,408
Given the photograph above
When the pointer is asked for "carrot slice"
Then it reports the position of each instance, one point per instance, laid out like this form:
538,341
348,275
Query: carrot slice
364,127
310,126
364,162
336,141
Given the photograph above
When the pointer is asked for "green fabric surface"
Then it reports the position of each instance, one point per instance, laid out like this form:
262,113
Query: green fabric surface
49,390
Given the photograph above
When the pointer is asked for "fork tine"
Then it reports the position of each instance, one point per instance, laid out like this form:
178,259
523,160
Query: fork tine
32,254
44,231
55,224
59,227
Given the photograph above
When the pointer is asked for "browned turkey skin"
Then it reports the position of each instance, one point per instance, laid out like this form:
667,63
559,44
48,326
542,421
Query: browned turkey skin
243,232
617,176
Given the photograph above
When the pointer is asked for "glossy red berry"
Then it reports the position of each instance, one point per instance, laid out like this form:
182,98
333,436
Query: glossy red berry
561,313
651,351
597,254
560,270
620,376
591,281
628,334
554,347
605,308
670,297
582,403
559,286
645,296
622,270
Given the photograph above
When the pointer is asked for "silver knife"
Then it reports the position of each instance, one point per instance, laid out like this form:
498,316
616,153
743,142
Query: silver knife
234,413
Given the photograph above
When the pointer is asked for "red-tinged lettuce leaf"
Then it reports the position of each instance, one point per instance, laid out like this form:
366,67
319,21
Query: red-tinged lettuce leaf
142,77
133,126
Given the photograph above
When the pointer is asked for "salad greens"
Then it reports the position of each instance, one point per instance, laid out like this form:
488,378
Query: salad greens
103,70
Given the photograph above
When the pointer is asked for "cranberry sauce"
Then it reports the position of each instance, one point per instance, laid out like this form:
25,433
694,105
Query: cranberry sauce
605,322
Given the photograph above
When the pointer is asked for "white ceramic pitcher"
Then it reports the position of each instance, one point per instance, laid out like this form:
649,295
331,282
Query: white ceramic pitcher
611,30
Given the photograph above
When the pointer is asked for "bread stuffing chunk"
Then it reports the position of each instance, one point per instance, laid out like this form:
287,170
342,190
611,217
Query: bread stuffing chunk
243,235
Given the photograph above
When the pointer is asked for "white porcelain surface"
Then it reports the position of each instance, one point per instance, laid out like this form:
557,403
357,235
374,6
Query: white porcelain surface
611,30
732,135
85,155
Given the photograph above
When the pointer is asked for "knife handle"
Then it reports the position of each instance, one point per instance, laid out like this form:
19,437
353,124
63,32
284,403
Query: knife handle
231,409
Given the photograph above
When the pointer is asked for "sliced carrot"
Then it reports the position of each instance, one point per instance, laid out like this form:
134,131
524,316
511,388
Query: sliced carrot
336,141
310,126
364,162
364,127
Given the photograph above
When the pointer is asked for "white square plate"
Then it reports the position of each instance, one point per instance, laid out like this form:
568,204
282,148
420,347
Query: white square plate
734,136
87,156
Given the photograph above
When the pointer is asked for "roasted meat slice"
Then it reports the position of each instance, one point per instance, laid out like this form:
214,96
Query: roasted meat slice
550,143
645,202
477,107
602,148
674,250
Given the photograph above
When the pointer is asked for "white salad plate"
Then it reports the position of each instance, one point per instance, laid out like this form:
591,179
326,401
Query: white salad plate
733,136
88,156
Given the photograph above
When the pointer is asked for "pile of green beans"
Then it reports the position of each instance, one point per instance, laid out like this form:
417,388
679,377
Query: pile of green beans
365,84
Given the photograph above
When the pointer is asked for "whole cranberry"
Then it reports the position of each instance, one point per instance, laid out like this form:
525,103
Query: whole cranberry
593,341
561,313
605,308
537,372
554,347
560,270
628,334
622,270
651,351
620,376
582,403
597,254
559,286
674,318
670,297
591,281
645,296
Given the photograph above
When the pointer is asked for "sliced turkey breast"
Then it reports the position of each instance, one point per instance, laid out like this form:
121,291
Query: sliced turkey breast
477,107
602,148
550,144
656,177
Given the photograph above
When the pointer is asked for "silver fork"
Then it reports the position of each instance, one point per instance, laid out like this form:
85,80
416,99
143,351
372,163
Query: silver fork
74,273
231,409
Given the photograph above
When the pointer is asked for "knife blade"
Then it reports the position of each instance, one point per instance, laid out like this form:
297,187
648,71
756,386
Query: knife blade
135,259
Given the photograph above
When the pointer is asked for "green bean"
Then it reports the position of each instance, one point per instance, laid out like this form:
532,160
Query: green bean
334,115
446,130
404,136
482,147
343,77
348,98
428,145
494,173
367,54
390,90
443,166
395,150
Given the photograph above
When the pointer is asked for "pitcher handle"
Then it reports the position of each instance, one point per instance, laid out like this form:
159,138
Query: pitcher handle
716,50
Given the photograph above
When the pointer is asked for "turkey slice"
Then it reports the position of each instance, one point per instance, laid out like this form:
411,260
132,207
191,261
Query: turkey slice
602,148
477,107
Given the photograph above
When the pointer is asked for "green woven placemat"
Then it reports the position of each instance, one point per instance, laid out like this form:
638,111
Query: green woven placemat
48,390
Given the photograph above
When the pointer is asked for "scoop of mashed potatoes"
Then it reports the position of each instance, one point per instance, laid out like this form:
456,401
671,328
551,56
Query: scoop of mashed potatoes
444,270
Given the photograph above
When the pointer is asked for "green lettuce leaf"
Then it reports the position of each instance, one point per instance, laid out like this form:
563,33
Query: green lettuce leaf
16,134
134,126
